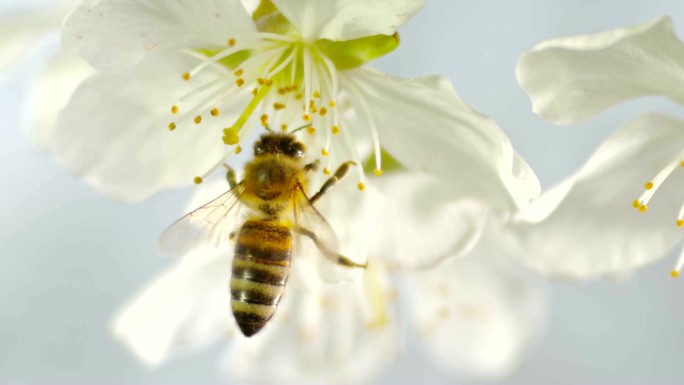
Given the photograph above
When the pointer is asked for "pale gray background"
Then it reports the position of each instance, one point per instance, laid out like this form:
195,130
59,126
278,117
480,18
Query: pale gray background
70,257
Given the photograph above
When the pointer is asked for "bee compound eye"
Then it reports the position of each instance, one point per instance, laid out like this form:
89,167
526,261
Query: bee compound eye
297,150
259,148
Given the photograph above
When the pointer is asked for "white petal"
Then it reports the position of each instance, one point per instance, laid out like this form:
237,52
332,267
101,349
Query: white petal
22,29
422,223
573,78
185,308
323,336
114,131
348,19
114,35
425,126
50,94
594,230
478,315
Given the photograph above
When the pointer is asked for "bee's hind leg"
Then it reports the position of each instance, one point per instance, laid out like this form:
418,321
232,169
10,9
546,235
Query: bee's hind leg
333,180
329,254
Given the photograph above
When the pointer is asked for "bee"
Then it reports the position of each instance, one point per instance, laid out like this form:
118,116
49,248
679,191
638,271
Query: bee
273,192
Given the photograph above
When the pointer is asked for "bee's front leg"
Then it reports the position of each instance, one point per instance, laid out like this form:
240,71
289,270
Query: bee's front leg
333,180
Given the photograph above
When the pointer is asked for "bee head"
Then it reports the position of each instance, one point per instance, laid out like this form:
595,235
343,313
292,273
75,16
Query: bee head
284,144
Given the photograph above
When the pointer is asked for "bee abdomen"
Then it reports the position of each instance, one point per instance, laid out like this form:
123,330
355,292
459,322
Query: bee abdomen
261,266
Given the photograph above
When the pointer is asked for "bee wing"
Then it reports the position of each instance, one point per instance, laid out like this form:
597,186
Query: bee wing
308,218
209,225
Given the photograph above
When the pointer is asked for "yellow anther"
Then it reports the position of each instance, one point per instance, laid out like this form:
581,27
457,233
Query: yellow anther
198,180
332,104
335,130
239,82
648,185
264,119
324,152
323,111
172,126
255,91
306,117
294,87
299,96
361,186
311,130
174,109
282,90
238,150
215,112
231,42
680,222
326,171
643,208
186,76
283,127
230,136
316,95
239,72
198,119
278,106
674,274
681,163
636,204
378,171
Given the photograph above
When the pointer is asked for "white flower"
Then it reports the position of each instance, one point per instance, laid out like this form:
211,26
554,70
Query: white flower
290,63
474,315
590,225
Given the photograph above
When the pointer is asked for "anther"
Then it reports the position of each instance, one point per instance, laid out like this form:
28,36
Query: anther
323,111
215,112
324,152
174,109
648,185
231,42
238,150
283,127
186,75
674,274
239,82
332,104
239,72
306,117
643,208
278,106
311,130
198,180
680,222
636,204
335,130
172,126
299,96
198,119
681,163
326,171
255,91
361,186
378,171
316,95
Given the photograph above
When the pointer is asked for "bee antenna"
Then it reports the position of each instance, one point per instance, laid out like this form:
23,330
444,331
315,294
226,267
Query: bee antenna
300,128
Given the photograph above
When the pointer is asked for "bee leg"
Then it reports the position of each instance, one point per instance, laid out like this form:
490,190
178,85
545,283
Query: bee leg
313,166
230,176
332,181
330,254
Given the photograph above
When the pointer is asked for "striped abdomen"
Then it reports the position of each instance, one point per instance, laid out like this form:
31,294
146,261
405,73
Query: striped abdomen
261,266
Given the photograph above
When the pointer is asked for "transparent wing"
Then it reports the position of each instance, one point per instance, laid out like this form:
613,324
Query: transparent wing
209,225
311,223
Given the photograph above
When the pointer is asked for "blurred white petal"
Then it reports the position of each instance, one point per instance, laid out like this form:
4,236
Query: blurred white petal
187,307
573,78
594,230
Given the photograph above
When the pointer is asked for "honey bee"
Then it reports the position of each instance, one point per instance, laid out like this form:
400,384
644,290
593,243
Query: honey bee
273,192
